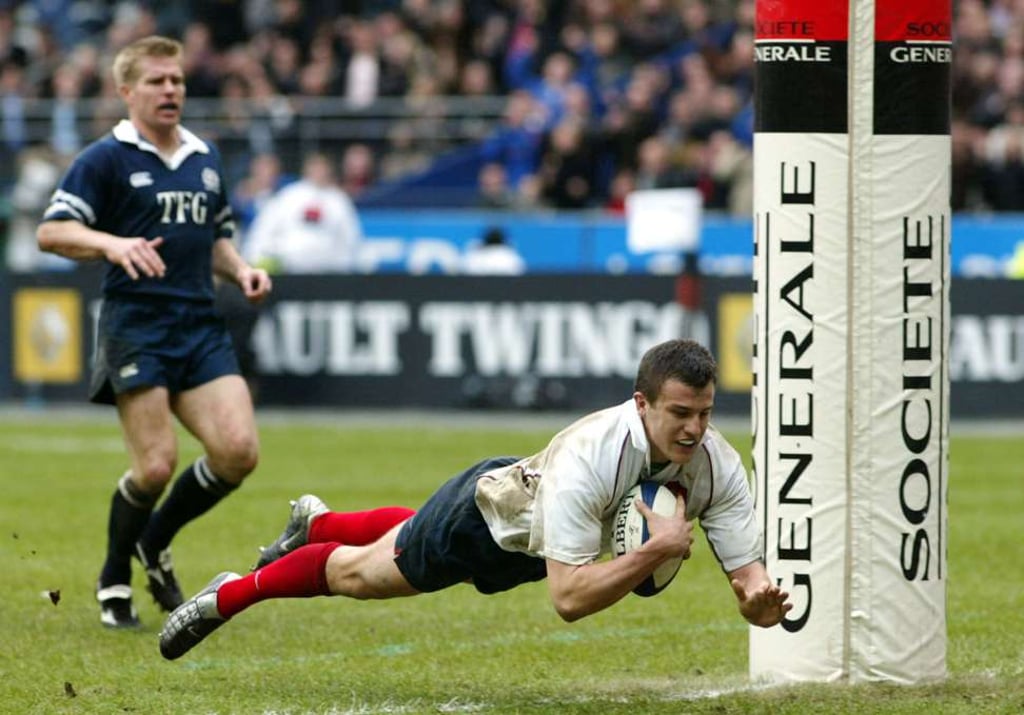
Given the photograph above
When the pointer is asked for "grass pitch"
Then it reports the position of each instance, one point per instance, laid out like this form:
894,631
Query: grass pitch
452,652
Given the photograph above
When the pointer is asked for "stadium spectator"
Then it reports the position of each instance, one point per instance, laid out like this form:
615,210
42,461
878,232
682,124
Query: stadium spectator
13,115
296,20
39,170
605,66
621,185
404,56
475,83
202,65
236,134
358,169
250,195
567,170
651,28
405,155
488,43
284,64
658,169
579,108
730,166
550,90
525,44
321,74
150,199
966,166
362,73
494,192
65,137
1002,179
516,143
635,117
681,116
476,79
309,226
426,110
509,521
493,256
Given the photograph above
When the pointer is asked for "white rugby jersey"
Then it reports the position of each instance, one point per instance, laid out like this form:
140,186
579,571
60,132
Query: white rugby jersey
560,503
306,228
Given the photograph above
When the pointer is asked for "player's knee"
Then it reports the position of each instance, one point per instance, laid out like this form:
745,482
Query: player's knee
154,472
347,573
235,458
356,588
245,457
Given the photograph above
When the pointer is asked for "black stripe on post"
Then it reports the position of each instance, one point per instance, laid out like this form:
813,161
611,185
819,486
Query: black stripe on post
912,87
800,87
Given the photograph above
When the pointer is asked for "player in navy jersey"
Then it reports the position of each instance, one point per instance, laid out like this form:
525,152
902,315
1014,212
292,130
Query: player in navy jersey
149,199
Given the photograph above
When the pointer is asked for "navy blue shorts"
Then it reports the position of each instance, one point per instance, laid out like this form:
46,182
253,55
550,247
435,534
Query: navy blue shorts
447,542
151,343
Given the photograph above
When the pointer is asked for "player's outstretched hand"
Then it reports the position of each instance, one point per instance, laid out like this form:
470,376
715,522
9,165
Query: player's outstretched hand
765,605
255,283
137,256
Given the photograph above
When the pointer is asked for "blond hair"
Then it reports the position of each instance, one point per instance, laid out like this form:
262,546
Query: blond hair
126,63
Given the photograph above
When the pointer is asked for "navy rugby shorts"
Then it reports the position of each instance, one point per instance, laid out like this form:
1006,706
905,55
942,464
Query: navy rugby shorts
447,542
151,343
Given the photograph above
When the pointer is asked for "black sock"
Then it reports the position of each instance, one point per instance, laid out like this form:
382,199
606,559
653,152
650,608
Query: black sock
195,491
130,510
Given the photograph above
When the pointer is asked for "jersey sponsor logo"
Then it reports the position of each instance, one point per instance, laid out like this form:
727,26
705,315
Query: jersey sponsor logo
211,181
180,207
140,179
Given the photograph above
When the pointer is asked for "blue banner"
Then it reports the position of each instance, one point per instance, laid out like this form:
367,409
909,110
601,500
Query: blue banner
423,242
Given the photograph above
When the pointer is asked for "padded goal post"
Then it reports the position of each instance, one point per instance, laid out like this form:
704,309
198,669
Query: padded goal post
851,387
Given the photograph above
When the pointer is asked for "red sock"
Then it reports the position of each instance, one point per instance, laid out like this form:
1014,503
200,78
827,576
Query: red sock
300,574
357,528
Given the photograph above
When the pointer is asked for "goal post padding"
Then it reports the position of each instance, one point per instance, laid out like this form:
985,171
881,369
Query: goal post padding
851,389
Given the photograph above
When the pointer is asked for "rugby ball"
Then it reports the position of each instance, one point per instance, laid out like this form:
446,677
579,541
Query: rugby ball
630,532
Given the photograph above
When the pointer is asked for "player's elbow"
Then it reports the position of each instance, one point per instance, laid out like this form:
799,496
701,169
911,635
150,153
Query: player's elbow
569,608
571,592
46,236
568,614
51,236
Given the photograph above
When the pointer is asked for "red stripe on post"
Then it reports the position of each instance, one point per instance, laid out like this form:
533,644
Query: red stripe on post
821,20
907,20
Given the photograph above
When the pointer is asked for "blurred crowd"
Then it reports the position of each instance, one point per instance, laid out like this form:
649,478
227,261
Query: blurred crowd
600,95
988,105
596,97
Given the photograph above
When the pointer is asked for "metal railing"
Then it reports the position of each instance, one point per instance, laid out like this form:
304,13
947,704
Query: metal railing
290,126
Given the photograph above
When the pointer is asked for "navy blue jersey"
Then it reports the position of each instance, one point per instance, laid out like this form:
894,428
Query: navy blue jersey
121,185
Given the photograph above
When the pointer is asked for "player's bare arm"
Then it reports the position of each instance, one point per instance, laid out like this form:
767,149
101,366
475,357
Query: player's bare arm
761,601
229,265
580,590
71,239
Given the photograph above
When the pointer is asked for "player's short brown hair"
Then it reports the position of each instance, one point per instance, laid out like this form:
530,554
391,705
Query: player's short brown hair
126,63
684,360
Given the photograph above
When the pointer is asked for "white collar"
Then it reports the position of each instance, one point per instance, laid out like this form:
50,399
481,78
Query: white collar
127,133
637,433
